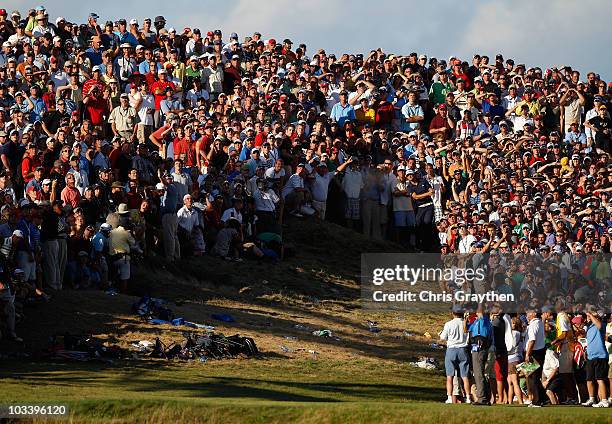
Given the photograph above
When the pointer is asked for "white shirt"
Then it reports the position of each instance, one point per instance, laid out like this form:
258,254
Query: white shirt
535,332
146,109
352,183
187,218
466,243
273,175
294,181
320,186
231,213
265,201
59,78
81,181
454,333
551,363
193,96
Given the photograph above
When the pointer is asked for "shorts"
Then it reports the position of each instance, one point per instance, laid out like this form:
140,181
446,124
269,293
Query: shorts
28,267
501,368
597,369
352,209
512,368
566,360
123,268
404,218
456,360
555,385
490,365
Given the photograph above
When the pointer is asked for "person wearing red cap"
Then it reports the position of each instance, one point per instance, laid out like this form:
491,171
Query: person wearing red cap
442,123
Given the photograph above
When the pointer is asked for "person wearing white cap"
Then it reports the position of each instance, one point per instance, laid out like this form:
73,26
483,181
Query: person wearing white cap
121,244
42,26
320,185
99,245
125,65
189,223
124,119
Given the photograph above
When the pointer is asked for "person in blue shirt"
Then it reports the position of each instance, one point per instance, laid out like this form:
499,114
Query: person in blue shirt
481,338
597,360
412,113
94,53
491,105
487,128
36,105
124,35
342,111
574,135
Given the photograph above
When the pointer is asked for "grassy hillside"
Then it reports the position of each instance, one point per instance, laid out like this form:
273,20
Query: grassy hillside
356,376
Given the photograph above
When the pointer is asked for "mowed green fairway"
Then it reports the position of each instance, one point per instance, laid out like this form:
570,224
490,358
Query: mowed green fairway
258,391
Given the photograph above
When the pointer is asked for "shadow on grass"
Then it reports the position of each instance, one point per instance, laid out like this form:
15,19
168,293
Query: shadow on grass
151,377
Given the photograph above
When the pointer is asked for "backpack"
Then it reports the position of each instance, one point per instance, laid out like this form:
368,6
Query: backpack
481,335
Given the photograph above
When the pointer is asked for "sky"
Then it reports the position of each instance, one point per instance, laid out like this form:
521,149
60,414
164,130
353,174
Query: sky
534,32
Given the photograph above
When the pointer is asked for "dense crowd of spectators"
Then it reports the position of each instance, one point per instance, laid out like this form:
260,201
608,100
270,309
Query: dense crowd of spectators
126,138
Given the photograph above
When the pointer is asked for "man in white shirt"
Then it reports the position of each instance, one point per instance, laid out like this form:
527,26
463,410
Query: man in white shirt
456,360
187,216
234,211
597,101
196,93
144,103
536,350
294,192
265,207
465,244
510,101
352,183
320,186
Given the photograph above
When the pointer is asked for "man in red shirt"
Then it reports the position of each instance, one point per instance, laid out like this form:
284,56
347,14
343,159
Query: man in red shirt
70,194
165,132
96,106
29,163
96,79
184,148
203,145
442,123
158,89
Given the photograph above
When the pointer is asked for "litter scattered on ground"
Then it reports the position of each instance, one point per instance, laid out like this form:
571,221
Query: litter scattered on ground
111,292
152,308
181,321
82,349
223,317
323,333
408,334
215,346
373,327
427,335
436,346
291,338
425,362
301,327
286,349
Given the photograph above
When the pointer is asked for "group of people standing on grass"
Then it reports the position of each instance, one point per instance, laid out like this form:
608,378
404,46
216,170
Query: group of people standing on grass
540,357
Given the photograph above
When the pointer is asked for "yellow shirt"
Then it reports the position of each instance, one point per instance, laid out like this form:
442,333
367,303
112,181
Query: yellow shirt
367,116
120,241
534,107
179,70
